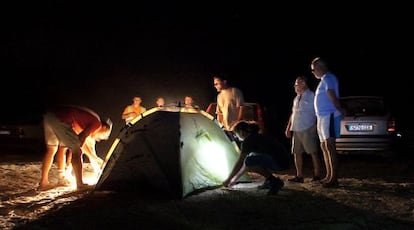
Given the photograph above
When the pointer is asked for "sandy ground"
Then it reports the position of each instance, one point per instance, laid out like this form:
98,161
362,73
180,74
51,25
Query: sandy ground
374,193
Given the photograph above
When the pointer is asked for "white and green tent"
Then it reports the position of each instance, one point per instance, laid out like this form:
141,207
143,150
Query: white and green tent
173,149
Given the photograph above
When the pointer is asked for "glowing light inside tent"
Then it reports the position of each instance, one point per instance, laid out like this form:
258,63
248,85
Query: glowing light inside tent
213,156
205,154
90,176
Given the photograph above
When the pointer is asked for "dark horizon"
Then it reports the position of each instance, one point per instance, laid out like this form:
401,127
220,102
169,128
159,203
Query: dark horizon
100,59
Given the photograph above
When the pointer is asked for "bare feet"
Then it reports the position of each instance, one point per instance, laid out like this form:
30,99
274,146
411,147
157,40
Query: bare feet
84,187
44,187
63,182
324,180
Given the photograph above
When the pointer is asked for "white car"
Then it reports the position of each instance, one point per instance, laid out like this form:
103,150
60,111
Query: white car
368,126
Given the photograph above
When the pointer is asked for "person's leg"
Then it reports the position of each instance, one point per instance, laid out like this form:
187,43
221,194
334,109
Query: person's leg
333,160
61,157
255,163
265,165
299,164
324,128
47,164
68,158
68,136
316,166
260,170
297,150
311,146
326,158
52,143
61,164
77,166
68,167
334,131
272,182
298,158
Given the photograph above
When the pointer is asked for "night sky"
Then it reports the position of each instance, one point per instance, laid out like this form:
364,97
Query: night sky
101,54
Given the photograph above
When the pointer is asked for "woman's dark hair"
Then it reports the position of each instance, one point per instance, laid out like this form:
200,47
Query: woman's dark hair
247,126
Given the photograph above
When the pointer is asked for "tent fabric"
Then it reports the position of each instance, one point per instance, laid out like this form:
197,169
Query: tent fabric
174,150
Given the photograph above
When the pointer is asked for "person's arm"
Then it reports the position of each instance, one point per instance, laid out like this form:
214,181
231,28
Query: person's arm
128,113
332,97
237,171
240,113
240,102
89,150
91,127
288,132
219,114
241,171
220,118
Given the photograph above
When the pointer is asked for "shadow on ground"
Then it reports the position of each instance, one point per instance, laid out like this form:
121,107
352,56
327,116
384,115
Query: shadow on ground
213,209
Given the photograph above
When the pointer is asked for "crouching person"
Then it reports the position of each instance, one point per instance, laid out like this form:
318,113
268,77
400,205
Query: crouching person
259,154
70,126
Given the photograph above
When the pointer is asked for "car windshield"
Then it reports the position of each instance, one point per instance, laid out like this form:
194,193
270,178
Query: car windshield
364,107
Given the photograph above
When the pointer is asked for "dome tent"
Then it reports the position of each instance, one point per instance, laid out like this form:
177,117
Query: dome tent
170,149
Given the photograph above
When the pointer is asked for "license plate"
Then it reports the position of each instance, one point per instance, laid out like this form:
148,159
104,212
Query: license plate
360,127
